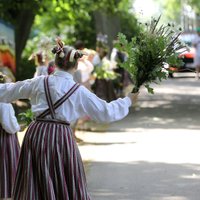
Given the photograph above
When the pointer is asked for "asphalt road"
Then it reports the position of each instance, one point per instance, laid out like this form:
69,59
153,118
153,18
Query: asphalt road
152,154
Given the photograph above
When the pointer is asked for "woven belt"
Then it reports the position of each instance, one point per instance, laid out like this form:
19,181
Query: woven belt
52,121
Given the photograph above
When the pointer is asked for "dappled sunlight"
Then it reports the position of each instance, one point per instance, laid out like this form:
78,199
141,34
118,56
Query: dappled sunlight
20,136
154,104
193,176
156,120
174,198
158,111
174,87
153,145
182,90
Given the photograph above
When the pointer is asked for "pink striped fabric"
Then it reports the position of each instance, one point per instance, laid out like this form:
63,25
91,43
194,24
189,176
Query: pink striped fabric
9,155
50,165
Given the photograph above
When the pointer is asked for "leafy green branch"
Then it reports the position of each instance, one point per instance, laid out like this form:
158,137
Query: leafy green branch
27,116
147,53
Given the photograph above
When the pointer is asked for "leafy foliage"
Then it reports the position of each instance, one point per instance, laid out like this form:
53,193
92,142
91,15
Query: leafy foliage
196,5
74,20
171,10
103,73
10,9
27,116
129,24
148,52
71,20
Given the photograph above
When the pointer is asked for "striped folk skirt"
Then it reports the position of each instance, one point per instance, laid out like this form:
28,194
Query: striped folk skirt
9,155
50,166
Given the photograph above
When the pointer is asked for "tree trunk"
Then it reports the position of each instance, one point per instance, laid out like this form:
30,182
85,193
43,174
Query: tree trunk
107,24
23,26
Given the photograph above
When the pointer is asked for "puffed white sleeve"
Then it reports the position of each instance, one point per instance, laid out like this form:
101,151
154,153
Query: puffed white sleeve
101,111
7,118
41,70
19,90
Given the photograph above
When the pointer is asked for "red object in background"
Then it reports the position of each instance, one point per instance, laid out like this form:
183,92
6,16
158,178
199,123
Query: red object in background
8,60
188,62
7,46
188,55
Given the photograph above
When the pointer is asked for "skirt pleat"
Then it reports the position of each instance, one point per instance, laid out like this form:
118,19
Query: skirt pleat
9,155
50,165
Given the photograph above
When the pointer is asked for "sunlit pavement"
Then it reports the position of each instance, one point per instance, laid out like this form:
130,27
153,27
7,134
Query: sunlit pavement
154,153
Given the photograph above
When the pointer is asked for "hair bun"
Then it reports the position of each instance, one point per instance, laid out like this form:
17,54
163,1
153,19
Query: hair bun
59,51
61,54
54,50
78,55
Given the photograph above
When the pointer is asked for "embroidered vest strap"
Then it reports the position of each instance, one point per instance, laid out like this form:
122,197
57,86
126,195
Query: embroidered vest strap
60,101
48,97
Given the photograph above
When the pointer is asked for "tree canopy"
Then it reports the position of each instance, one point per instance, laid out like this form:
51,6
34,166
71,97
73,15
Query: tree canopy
196,5
70,19
172,9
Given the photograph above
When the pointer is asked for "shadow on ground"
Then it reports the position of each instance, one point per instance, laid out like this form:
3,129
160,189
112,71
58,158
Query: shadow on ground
165,112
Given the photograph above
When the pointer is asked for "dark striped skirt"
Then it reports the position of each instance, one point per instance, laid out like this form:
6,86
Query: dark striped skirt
9,155
50,166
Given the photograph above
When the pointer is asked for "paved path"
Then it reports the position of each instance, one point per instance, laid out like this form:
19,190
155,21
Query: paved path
153,154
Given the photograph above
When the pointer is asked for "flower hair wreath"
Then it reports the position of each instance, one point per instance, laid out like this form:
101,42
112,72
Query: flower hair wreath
71,56
59,50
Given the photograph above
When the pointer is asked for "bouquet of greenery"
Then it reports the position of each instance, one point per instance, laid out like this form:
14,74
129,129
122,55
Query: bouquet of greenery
104,71
27,116
149,51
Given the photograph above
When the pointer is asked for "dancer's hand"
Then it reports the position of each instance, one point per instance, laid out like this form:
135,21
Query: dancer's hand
133,97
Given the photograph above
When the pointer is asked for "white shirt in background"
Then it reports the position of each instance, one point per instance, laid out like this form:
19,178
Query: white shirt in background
41,70
8,120
86,69
96,60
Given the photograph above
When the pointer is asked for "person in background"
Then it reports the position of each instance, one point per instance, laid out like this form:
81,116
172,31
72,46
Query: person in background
85,67
79,45
9,148
83,76
50,165
196,44
40,62
51,67
123,79
103,71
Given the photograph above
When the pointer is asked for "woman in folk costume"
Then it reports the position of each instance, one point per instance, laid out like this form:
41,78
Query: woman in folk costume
103,86
51,67
85,66
50,166
9,148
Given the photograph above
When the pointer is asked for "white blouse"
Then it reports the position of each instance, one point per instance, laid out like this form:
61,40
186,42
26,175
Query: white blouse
81,103
8,120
